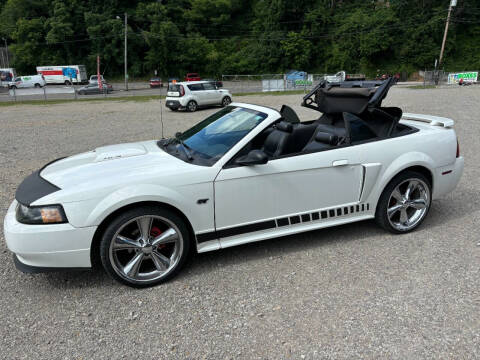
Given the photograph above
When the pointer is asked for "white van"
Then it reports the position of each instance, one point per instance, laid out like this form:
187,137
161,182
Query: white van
27,81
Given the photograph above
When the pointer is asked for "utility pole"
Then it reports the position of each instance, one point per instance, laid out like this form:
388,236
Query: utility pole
6,52
126,74
453,3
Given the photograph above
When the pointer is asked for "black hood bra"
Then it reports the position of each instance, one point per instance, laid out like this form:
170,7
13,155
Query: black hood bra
34,187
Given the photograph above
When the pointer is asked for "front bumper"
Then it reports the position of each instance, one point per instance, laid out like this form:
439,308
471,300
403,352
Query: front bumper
48,246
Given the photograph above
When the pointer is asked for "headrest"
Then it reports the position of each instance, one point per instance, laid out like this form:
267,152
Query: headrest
289,114
326,138
285,126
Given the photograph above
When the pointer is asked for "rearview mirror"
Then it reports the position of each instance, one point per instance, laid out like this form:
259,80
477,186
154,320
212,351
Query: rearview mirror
254,157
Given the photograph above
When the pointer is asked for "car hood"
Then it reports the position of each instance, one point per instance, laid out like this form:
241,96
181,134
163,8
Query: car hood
112,165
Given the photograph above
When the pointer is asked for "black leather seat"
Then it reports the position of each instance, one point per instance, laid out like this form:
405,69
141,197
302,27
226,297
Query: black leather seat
301,135
276,143
331,129
322,141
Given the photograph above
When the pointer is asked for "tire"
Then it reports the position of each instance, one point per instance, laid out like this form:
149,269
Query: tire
37,86
67,82
13,87
173,109
139,263
192,106
226,101
400,210
81,93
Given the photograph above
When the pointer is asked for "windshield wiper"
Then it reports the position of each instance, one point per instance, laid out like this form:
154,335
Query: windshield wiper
185,148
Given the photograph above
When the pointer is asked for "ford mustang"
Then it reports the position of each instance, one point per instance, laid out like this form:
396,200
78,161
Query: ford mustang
244,174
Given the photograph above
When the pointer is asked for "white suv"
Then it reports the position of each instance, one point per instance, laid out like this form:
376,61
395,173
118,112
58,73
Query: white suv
193,94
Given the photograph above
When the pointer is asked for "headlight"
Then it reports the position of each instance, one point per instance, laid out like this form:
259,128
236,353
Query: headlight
48,214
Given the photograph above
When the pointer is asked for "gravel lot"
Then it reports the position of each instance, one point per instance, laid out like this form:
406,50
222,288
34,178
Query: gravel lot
349,292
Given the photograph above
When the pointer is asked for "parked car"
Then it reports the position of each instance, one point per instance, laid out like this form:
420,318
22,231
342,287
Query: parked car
27,82
246,173
343,76
156,82
192,77
195,94
94,79
217,83
95,89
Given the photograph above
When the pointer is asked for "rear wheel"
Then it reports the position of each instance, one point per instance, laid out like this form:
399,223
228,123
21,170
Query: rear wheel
67,82
145,246
37,85
192,106
404,203
226,101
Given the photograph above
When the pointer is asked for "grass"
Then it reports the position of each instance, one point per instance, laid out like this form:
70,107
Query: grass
422,87
139,98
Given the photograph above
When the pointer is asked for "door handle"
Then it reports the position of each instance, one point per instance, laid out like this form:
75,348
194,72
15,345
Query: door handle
340,162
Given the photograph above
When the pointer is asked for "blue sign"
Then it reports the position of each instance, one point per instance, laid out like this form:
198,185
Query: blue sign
69,72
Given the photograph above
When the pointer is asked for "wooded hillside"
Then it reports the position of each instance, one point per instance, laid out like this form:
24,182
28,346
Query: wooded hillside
215,37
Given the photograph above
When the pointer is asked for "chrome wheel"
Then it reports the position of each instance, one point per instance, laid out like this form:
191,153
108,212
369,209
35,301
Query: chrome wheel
408,204
146,249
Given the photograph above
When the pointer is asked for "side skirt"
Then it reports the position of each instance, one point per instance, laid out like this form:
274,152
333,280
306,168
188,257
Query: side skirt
227,237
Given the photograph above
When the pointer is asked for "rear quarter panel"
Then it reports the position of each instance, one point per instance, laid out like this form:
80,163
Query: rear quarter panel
431,147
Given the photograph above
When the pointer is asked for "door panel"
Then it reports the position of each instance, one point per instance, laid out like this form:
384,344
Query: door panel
285,186
210,94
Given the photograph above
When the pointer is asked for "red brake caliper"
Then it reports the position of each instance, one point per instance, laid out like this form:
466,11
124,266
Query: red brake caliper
156,232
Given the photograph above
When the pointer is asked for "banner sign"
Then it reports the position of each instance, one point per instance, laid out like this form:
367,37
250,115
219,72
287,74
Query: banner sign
469,76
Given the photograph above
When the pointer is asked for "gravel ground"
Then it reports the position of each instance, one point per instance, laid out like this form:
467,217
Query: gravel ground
349,292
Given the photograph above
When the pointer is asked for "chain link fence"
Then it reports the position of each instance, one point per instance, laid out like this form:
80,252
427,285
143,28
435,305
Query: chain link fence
434,77
270,82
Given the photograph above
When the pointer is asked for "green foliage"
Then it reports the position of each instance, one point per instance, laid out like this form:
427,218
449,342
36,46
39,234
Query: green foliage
215,37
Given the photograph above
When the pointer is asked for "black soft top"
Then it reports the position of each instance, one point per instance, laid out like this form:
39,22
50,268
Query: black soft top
362,99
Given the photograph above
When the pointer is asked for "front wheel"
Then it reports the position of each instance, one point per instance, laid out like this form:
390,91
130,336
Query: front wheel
192,106
226,101
145,246
404,203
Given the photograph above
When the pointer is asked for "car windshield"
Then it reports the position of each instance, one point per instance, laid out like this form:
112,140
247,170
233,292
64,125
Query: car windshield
210,139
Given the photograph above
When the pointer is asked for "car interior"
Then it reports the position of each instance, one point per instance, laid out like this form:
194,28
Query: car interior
350,116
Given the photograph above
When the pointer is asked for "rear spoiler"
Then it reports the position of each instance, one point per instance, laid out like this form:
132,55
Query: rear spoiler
432,120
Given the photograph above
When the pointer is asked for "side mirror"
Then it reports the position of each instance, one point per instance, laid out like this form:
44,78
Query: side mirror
254,157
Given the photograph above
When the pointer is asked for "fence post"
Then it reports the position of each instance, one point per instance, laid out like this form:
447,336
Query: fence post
45,93
424,76
15,94
75,93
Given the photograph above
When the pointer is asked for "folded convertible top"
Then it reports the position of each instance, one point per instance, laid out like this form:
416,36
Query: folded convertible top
360,100
346,97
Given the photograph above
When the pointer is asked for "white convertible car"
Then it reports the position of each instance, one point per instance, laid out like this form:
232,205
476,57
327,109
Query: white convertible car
244,174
